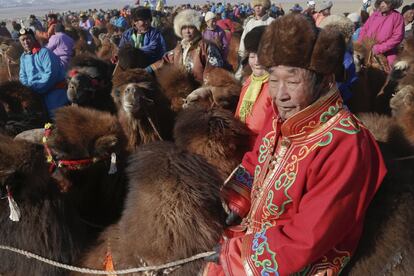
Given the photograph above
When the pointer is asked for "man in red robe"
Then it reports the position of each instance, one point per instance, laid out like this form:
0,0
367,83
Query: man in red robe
304,189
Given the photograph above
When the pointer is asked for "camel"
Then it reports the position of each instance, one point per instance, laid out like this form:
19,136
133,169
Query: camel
386,246
215,134
372,72
143,111
176,84
89,83
173,196
22,107
220,88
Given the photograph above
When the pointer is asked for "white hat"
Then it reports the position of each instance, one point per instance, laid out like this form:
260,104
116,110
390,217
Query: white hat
354,17
209,15
310,3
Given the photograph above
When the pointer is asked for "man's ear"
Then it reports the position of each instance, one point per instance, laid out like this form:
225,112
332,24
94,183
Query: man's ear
105,145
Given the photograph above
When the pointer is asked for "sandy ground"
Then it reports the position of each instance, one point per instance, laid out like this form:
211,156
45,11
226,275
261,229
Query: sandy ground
23,12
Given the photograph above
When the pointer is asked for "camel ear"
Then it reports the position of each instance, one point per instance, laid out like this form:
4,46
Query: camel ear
105,145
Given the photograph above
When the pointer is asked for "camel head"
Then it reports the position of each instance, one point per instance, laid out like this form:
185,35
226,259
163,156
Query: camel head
87,77
135,92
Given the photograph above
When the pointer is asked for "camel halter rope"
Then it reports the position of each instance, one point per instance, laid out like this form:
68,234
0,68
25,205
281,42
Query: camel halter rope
105,272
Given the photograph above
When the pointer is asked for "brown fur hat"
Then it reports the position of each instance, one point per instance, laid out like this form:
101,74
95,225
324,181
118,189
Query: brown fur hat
293,40
264,3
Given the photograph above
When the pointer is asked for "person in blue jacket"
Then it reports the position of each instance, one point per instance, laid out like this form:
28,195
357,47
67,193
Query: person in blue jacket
40,70
143,36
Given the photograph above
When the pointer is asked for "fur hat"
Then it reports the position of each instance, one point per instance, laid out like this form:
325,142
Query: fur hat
187,17
395,4
293,40
209,15
141,13
264,3
325,4
341,23
252,39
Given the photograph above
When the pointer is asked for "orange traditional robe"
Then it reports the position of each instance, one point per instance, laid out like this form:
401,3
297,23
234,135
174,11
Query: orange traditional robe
303,192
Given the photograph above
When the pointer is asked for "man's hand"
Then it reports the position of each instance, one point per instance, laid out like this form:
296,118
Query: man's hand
215,258
233,219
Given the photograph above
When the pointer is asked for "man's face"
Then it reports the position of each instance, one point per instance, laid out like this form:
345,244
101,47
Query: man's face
384,7
257,69
290,90
188,32
326,12
142,26
27,42
212,23
259,10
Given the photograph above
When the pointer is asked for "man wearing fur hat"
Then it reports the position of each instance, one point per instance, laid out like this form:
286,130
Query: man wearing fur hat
304,189
143,36
260,18
193,53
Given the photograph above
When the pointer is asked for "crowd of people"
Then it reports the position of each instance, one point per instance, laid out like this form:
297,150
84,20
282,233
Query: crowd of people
297,201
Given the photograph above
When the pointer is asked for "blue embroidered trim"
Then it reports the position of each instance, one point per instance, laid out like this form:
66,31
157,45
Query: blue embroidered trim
244,177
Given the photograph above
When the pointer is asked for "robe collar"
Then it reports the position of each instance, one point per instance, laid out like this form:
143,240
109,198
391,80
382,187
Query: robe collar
314,117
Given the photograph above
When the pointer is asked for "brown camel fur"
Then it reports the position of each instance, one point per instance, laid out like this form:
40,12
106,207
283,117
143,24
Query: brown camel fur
173,211
82,133
176,84
402,74
372,72
49,224
23,108
386,246
214,134
220,88
143,110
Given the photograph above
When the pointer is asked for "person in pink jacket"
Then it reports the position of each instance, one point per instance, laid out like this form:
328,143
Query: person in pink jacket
386,25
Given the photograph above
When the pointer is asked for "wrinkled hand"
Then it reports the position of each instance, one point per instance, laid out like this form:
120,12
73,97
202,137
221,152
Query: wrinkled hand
215,258
233,219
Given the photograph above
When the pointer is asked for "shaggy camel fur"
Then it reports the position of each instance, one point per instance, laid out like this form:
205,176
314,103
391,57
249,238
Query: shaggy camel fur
402,74
220,88
176,84
372,72
80,134
387,246
173,211
90,83
49,224
143,111
214,134
23,108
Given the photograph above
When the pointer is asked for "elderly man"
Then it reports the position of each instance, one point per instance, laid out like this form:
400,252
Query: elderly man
41,71
193,53
143,36
304,189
